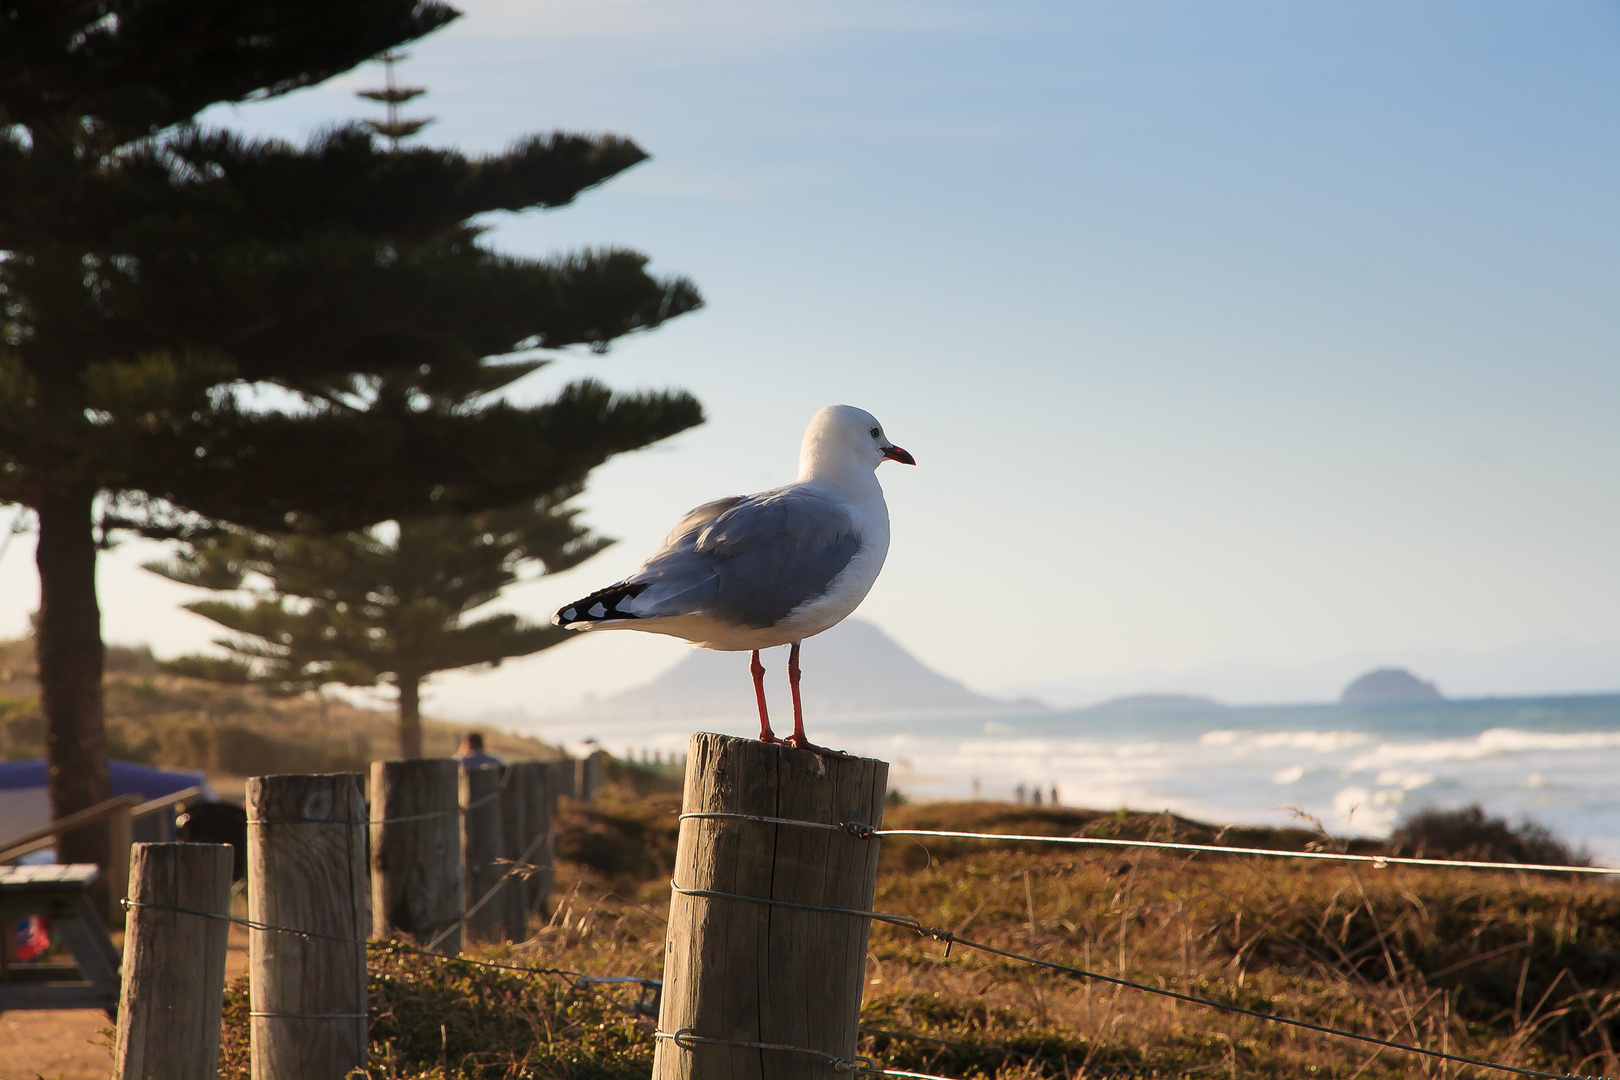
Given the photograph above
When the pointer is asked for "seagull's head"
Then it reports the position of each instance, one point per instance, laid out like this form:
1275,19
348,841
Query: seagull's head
842,438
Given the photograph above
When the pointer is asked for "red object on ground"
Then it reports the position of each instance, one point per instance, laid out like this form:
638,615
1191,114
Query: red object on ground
33,937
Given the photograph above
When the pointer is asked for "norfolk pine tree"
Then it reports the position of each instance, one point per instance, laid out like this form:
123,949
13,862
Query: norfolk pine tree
157,278
389,603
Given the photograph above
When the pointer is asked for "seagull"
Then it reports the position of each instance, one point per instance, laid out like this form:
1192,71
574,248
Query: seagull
750,572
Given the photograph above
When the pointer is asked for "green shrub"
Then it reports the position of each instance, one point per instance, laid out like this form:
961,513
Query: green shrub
1466,833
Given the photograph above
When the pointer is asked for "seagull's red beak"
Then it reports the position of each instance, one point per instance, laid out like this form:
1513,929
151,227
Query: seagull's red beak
894,453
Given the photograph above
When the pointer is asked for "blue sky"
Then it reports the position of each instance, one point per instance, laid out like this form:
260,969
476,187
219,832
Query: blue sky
1229,336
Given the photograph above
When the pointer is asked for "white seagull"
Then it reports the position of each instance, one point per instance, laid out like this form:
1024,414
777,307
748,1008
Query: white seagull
752,571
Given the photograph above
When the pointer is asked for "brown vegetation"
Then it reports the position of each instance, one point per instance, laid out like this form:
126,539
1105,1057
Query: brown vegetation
1507,967
222,729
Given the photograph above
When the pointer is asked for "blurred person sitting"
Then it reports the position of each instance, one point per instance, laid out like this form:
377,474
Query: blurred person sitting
472,754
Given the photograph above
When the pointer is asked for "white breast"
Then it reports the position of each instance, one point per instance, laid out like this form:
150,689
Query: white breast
850,587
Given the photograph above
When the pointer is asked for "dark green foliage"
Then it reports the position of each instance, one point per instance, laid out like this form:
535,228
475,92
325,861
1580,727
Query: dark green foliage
22,728
392,602
449,1020
948,1036
138,66
624,841
198,328
646,778
1466,833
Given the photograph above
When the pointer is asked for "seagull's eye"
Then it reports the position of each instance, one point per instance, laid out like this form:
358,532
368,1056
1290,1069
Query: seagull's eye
876,432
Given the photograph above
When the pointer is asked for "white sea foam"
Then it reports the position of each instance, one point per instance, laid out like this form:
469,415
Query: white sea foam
1406,781
1492,743
1362,810
1554,761
1322,742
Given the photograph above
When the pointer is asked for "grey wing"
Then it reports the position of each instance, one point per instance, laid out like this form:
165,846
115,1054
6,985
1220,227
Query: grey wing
753,562
686,530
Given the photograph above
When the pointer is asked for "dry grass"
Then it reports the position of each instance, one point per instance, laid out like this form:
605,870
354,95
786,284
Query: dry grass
1505,966
227,731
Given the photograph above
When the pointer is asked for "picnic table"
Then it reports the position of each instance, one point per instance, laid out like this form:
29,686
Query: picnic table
61,893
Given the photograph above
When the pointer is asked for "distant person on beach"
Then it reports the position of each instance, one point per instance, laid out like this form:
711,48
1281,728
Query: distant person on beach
472,754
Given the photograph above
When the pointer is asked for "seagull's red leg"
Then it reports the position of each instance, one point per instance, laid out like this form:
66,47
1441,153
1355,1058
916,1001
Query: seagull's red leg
798,738
793,685
757,669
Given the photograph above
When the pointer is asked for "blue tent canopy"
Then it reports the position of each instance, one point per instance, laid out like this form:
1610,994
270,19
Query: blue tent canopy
128,778
25,804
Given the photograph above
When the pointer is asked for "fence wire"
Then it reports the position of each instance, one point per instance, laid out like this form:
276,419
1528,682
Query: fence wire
580,981
574,977
403,819
686,1038
1378,862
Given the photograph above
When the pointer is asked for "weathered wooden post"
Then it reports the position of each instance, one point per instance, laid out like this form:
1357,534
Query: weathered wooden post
561,779
174,963
739,971
306,873
484,891
515,841
120,844
543,823
416,851
589,772
530,840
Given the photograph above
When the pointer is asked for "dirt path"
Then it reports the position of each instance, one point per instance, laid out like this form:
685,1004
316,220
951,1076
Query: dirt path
76,1044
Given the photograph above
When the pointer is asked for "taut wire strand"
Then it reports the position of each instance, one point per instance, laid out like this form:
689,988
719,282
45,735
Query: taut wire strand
254,924
716,816
385,821
516,868
1378,861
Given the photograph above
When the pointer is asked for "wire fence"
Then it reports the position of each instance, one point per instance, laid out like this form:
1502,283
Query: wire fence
454,811
1378,862
687,1040
951,938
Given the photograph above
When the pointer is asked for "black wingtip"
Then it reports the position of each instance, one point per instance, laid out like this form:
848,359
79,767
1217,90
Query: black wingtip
600,605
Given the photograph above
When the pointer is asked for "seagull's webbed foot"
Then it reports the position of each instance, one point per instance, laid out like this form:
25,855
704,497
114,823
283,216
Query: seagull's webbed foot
799,742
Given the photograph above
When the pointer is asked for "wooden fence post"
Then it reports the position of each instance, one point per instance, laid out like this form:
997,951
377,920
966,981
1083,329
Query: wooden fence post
416,851
174,963
532,779
120,844
483,845
307,872
588,774
562,778
515,840
745,972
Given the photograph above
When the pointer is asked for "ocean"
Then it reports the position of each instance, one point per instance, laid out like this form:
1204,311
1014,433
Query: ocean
1357,768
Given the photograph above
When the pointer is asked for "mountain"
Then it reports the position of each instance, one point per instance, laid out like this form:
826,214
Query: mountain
851,669
1390,684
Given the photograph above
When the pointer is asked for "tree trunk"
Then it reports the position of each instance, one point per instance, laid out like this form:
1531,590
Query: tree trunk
410,715
68,645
